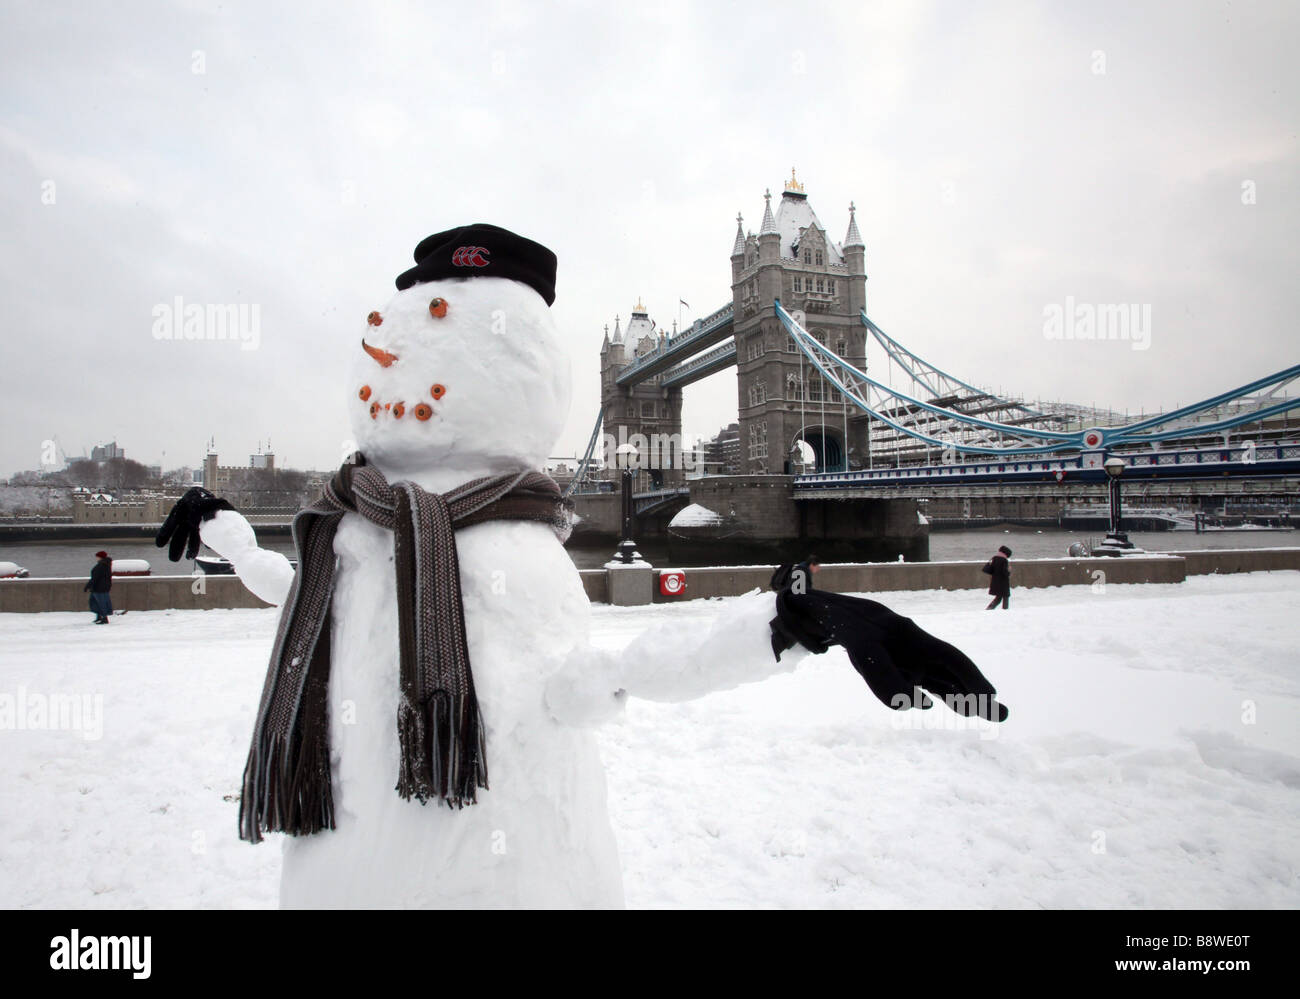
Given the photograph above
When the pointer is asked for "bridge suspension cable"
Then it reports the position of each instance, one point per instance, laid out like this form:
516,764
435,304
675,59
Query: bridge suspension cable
946,428
580,476
934,380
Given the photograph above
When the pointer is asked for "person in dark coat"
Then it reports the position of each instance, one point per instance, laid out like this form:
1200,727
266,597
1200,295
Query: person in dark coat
100,582
999,568
898,659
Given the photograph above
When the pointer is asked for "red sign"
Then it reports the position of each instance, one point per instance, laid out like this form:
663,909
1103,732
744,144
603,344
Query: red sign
672,583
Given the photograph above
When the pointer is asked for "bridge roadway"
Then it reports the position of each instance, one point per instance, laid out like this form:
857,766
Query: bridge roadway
718,359
1270,461
682,349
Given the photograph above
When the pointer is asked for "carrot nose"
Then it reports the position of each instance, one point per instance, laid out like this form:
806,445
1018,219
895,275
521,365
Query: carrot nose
382,357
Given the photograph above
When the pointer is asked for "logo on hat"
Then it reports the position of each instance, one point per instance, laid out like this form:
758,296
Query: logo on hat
470,256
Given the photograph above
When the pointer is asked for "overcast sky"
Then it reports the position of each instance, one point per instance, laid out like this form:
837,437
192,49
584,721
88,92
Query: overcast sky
1003,157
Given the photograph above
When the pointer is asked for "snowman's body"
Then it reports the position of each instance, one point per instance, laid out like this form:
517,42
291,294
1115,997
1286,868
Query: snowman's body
540,835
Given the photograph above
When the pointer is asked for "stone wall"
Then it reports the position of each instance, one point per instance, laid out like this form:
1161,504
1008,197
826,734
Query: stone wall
873,577
135,593
763,505
167,592
1241,560
600,515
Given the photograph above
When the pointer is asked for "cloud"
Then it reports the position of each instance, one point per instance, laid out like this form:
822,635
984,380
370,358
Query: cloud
994,170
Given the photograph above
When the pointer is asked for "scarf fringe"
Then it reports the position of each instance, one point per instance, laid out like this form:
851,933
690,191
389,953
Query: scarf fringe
291,793
443,749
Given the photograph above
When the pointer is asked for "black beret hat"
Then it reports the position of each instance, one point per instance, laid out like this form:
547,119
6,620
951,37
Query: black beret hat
1005,550
482,250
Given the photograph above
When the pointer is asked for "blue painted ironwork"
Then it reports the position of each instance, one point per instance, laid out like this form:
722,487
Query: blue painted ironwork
857,387
580,477
711,362
934,379
653,498
1248,459
684,345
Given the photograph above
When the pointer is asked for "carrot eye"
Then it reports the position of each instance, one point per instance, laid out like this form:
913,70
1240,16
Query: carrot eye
438,308
423,411
364,393
438,391
374,410
374,319
399,410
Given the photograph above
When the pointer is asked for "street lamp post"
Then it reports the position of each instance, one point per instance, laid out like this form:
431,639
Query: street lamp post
625,458
1116,538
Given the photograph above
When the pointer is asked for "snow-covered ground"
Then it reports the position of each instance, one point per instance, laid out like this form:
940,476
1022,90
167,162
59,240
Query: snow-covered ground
1152,758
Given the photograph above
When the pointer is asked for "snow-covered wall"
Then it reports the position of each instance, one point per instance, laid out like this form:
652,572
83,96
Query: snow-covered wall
160,592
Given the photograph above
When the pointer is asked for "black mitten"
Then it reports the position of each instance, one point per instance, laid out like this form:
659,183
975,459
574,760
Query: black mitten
182,524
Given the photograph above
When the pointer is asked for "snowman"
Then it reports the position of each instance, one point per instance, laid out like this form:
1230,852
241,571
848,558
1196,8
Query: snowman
418,763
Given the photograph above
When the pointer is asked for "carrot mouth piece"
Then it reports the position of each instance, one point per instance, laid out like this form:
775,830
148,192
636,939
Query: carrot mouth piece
382,357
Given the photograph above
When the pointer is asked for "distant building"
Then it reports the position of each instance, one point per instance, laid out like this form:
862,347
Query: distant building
722,454
562,470
105,452
102,508
216,476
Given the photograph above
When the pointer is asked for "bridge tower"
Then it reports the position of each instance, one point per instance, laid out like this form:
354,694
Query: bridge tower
782,398
646,409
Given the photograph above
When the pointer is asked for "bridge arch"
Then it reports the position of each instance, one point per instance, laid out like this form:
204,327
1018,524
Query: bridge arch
827,443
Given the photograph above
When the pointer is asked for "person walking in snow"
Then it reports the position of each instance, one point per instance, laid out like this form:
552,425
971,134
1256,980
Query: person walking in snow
999,567
100,582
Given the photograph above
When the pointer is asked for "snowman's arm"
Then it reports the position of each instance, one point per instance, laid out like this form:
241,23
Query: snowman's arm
585,689
267,574
667,663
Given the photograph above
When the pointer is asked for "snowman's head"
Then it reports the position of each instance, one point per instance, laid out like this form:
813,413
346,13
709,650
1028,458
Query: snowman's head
459,373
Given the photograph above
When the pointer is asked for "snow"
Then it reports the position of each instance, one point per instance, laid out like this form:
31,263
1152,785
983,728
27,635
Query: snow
1152,759
695,515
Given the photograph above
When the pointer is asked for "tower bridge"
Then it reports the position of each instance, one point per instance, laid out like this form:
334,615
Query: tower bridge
831,403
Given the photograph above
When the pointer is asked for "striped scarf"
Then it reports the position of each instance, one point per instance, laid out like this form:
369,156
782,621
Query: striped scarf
287,780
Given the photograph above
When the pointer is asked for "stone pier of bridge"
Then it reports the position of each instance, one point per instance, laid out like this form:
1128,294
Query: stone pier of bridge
760,515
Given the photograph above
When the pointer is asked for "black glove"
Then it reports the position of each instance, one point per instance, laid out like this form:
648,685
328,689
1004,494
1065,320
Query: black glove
182,524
